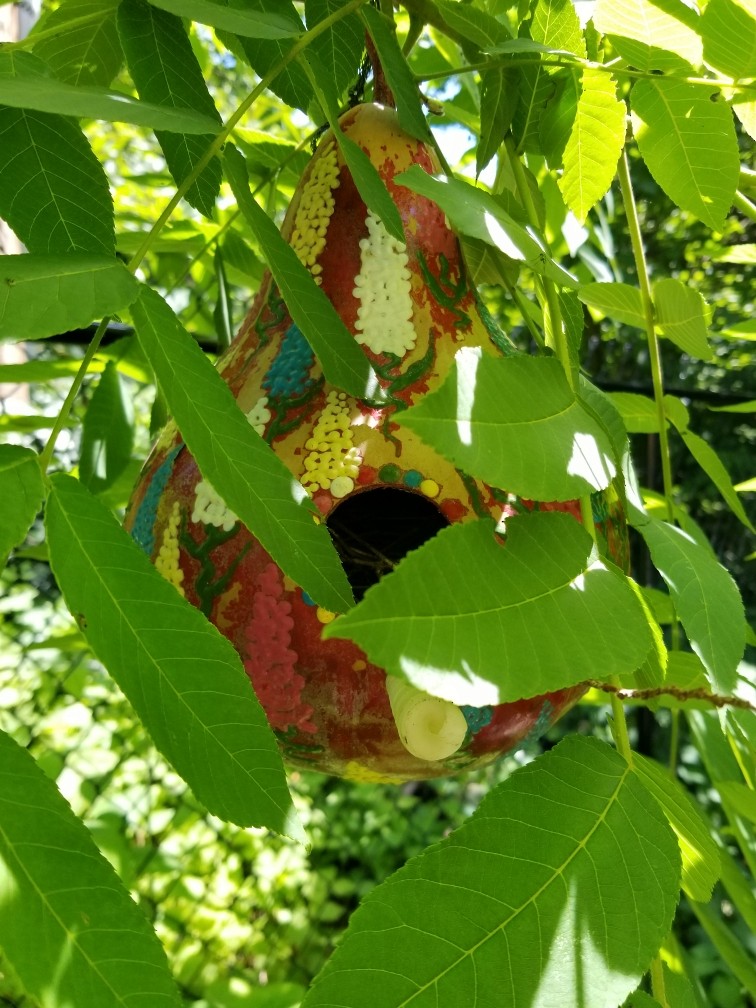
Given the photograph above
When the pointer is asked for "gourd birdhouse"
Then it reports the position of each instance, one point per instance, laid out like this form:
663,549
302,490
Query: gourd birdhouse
377,487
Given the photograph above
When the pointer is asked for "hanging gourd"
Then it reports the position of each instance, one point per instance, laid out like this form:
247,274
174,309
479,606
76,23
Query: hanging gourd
380,491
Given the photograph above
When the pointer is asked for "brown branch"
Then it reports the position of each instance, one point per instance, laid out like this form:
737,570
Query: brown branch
715,699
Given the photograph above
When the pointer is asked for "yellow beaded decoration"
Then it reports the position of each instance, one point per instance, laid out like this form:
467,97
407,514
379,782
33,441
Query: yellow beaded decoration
332,462
316,205
167,560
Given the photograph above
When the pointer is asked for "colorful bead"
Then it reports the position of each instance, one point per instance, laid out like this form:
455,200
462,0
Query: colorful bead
316,205
167,560
383,288
332,456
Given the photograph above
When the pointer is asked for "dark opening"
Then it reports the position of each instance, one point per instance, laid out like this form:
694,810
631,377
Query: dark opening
374,529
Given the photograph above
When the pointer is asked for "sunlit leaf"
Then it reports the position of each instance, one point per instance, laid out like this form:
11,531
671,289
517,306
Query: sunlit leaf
689,145
165,71
699,852
706,599
651,34
456,617
21,494
45,295
70,929
712,465
516,424
681,314
595,143
241,467
476,213
638,412
728,29
343,362
619,301
184,680
566,870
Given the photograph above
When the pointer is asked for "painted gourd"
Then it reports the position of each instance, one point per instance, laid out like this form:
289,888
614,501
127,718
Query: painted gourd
379,489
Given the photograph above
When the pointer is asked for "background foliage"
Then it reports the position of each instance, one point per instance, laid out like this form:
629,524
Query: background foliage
610,143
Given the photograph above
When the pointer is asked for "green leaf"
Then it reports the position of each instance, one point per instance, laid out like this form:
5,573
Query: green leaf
740,798
69,928
706,598
501,623
699,853
398,74
555,24
681,314
21,495
619,301
566,870
44,295
259,23
165,71
477,26
715,469
107,434
184,679
23,85
340,48
557,120
688,142
639,999
343,362
498,100
595,143
728,945
516,424
84,46
47,164
241,467
639,413
264,54
476,213
728,29
651,34
535,93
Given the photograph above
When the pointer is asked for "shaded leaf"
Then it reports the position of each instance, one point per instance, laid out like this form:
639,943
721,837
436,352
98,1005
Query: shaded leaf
699,852
715,469
265,22
477,26
689,145
681,314
43,295
85,48
566,870
165,71
183,678
728,945
24,86
264,54
558,117
516,424
47,166
107,434
471,640
70,929
536,91
476,213
240,466
651,34
620,301
343,362
340,48
498,100
21,495
595,143
728,29
706,598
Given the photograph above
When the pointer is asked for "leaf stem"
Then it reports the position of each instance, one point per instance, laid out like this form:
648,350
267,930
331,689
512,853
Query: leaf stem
45,457
657,981
619,727
746,206
47,33
636,240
